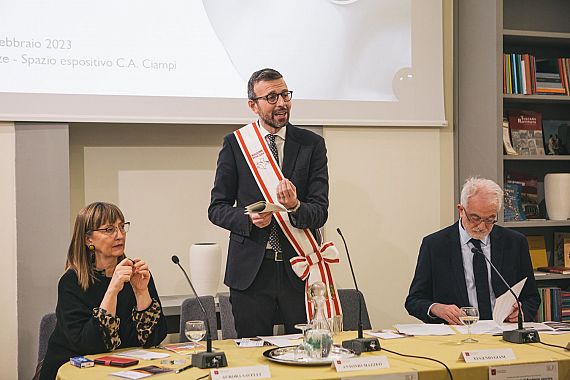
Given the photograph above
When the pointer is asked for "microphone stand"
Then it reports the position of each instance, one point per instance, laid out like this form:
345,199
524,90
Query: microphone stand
520,335
360,344
207,359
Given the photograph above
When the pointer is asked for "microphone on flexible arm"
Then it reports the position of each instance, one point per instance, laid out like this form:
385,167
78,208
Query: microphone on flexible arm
520,335
206,359
360,344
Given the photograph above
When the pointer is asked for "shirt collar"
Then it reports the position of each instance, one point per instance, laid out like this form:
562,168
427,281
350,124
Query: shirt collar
281,133
464,236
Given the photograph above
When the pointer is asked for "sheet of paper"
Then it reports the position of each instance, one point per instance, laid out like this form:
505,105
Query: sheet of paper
527,325
424,329
249,342
481,327
283,340
143,354
130,374
386,334
504,303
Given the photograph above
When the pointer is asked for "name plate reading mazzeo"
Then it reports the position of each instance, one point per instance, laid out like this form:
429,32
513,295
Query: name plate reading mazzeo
482,356
387,376
361,364
544,371
237,373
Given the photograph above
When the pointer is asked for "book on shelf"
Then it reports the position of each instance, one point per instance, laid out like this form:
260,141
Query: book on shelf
548,77
556,136
518,74
555,269
529,193
526,132
550,308
537,249
507,144
562,248
513,210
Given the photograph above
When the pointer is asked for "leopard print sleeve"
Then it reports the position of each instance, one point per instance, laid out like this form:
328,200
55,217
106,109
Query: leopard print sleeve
109,326
146,320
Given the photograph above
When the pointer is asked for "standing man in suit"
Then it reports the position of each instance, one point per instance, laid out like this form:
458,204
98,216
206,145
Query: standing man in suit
258,272
449,275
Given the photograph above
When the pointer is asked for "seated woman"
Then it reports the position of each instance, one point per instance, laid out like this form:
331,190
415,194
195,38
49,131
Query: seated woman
105,300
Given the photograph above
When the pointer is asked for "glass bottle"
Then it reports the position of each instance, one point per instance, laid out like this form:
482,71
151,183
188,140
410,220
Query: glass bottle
319,337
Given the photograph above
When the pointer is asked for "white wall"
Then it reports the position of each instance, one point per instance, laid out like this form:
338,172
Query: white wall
8,247
386,186
42,209
161,177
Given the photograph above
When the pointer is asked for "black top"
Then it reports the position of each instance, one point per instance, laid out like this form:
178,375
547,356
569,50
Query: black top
79,332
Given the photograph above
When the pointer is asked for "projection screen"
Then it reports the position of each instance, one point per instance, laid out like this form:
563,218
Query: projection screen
348,62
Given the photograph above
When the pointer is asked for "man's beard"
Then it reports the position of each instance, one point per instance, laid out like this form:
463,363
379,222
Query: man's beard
274,124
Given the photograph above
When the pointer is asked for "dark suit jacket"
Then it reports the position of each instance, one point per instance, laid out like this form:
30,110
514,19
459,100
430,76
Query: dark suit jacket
440,278
304,164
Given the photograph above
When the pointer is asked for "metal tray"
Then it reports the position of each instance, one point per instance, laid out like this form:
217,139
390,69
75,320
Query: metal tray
286,355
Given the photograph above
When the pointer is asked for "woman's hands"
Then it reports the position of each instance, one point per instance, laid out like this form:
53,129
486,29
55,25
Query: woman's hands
122,273
140,275
134,271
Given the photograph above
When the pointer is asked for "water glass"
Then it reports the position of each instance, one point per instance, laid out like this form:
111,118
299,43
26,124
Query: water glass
195,331
469,316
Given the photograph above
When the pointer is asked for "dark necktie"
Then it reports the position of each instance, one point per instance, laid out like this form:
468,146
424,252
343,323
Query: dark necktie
274,235
481,282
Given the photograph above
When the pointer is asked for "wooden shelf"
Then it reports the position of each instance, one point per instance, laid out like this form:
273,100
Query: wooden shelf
545,276
536,223
519,98
535,38
537,158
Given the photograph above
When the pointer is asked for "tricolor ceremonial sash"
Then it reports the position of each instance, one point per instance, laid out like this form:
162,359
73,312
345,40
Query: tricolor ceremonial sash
313,261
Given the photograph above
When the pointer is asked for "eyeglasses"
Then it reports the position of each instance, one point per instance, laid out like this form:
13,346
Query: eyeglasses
273,97
476,219
111,230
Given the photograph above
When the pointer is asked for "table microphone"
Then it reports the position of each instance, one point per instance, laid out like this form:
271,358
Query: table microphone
360,344
206,359
520,335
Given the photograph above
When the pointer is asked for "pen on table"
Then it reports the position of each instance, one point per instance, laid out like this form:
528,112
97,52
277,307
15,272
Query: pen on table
183,368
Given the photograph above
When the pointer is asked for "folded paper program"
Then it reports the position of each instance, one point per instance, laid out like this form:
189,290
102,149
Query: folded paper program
264,206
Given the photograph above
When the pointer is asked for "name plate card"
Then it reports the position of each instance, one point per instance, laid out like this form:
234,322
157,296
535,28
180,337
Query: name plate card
544,371
387,376
361,364
482,356
236,373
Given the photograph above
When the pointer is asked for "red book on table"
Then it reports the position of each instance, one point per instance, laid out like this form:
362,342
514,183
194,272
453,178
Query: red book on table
116,361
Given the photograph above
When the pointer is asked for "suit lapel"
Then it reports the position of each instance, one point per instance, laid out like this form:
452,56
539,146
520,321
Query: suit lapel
496,258
290,151
457,265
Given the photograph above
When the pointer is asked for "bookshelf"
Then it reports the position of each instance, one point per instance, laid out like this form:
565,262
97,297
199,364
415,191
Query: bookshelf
484,30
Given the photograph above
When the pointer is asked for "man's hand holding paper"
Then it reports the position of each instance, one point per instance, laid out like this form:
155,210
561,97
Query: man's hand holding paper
505,304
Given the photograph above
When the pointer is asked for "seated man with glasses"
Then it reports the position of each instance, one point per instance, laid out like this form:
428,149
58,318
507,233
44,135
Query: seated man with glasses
105,300
449,275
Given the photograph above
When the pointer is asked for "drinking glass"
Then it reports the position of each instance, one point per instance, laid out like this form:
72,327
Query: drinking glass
469,315
195,331
303,350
